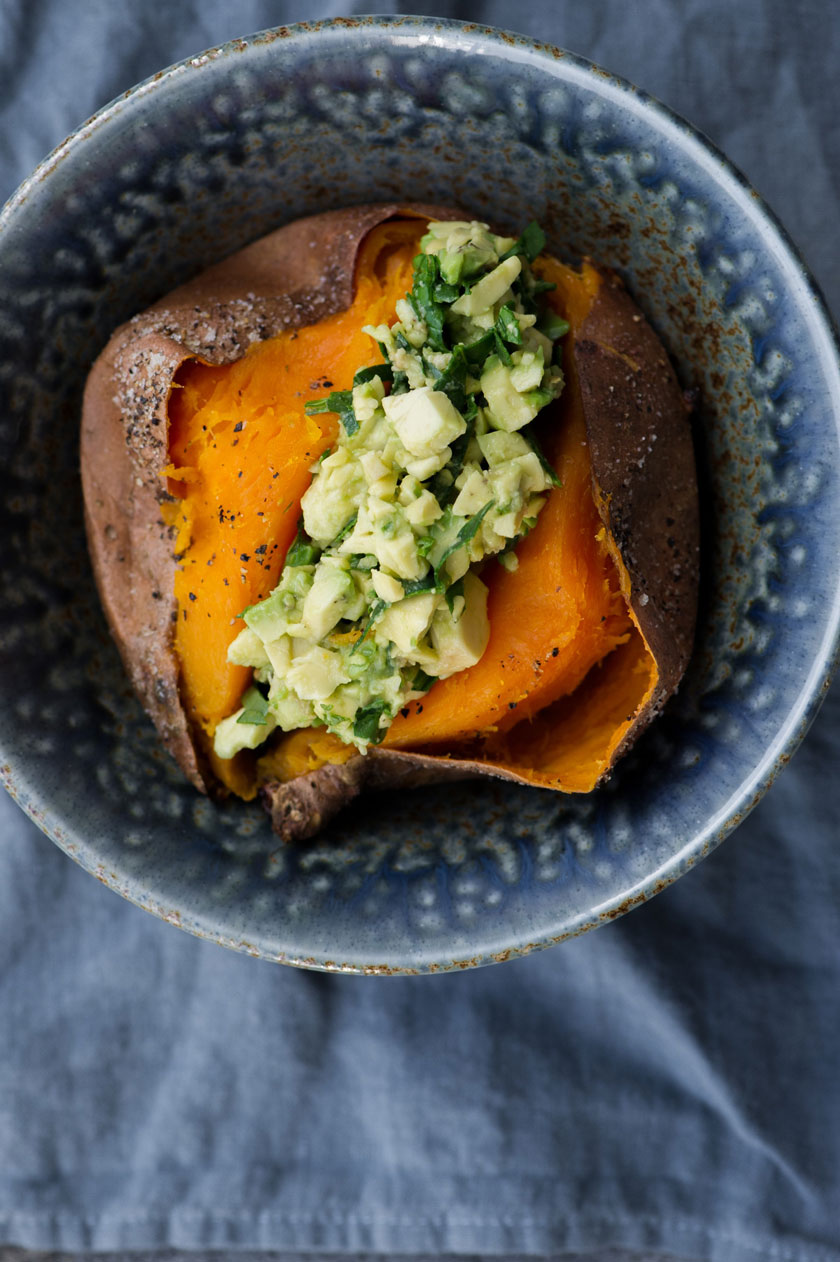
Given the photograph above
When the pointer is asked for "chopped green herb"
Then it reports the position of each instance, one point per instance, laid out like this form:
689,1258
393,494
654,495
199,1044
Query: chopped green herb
415,585
507,326
422,299
553,326
531,243
421,681
340,402
456,590
501,350
383,371
366,726
378,607
346,530
465,534
444,292
477,351
256,712
302,550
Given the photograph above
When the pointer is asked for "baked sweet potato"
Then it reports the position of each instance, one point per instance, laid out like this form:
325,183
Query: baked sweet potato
195,454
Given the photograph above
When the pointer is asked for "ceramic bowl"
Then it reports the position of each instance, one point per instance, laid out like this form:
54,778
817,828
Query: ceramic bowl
216,151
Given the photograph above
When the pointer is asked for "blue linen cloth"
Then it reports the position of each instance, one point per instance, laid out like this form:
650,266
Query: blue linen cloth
668,1083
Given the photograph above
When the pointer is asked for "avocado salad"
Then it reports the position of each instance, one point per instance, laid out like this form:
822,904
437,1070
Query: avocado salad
435,470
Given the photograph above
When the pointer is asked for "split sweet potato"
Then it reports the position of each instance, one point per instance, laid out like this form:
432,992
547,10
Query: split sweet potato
196,451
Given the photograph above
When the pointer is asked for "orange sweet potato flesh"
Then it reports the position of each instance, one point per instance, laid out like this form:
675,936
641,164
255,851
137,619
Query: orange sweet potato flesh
589,636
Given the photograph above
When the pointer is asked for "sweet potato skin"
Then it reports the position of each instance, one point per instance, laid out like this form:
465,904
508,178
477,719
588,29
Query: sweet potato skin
643,478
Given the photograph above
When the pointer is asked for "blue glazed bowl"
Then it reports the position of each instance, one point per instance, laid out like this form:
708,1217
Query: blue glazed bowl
218,150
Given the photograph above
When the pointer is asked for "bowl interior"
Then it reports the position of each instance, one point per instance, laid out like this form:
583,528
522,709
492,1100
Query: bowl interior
219,150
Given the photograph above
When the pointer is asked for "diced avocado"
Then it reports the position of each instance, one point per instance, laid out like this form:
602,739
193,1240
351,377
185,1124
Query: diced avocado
414,328
461,644
509,410
424,510
386,586
327,599
289,710
316,674
489,289
270,618
231,736
279,653
367,398
425,420
407,621
373,466
247,650
426,467
473,495
527,370
398,553
332,497
497,447
386,487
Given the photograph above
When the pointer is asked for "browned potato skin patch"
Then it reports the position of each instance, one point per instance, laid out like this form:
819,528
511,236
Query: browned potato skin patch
643,474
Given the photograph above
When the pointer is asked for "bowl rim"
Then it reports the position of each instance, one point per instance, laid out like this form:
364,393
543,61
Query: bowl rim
507,45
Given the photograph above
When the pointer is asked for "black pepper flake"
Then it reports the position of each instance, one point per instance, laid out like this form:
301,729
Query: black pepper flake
193,596
555,651
226,583
156,596
260,551
244,556
512,705
239,474
238,427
